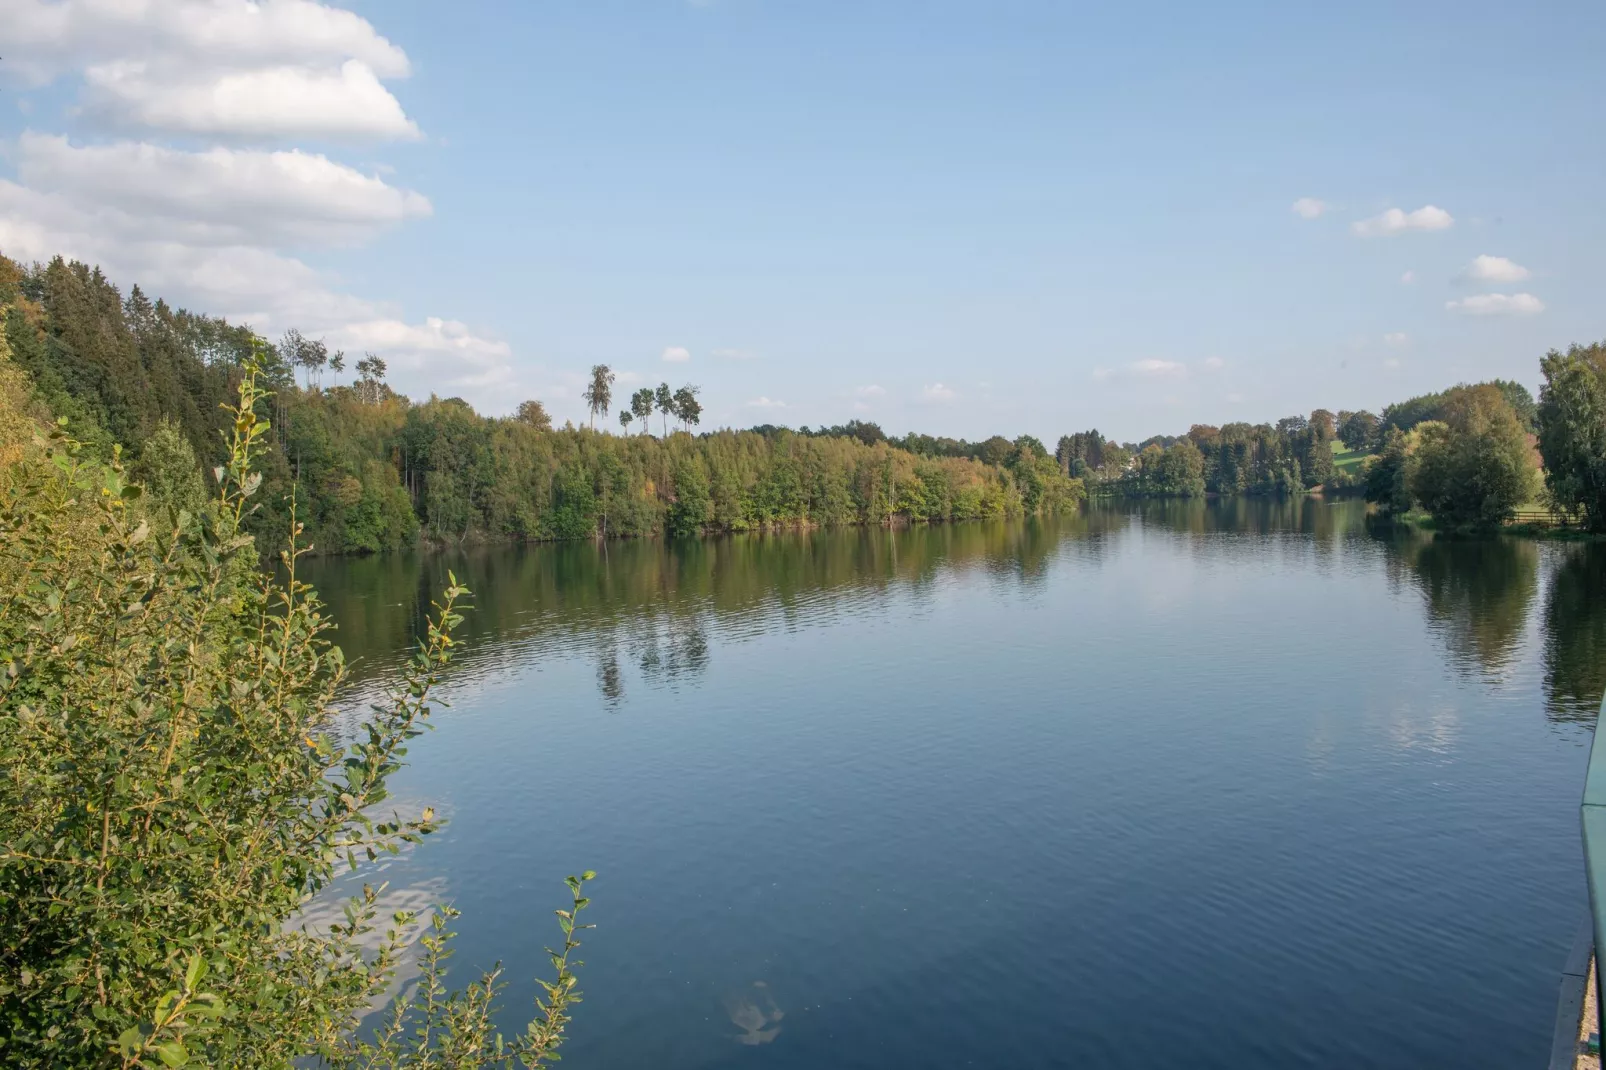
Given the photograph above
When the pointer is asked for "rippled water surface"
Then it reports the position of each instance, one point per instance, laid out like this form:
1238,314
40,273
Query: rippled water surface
1228,785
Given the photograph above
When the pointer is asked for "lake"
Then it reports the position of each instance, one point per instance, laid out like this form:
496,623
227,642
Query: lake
1227,784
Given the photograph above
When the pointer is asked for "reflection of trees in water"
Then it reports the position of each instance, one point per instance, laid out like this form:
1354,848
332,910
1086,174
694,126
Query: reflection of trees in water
678,650
666,649
608,678
659,601
1575,635
1477,592
1328,519
1026,550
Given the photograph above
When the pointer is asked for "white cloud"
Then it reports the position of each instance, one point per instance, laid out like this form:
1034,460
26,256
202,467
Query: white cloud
1214,364
1408,278
1154,369
218,228
235,68
1488,268
871,391
1396,338
274,102
938,392
1159,369
476,360
48,39
1310,208
1396,221
1391,364
1235,398
217,197
1497,305
734,354
765,403
676,354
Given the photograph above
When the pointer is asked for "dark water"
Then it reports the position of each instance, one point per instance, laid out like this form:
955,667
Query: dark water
1231,785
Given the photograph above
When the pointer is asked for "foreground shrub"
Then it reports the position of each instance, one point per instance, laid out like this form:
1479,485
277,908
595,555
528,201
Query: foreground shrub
172,797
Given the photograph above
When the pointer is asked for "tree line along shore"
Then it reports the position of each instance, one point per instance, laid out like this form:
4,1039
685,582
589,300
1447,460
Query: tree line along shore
373,470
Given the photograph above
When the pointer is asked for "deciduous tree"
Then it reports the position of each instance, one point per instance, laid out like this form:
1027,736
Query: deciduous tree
1476,467
1572,430
599,392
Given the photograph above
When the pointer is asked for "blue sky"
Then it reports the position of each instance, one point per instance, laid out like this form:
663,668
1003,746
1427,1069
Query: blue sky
959,218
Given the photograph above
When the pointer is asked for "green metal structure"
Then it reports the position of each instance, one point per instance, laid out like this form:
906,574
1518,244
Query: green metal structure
1592,817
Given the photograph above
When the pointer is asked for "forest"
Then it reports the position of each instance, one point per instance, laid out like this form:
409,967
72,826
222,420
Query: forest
368,469
372,470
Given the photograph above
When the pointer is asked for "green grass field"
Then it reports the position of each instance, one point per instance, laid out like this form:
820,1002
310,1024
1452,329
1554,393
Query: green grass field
1348,460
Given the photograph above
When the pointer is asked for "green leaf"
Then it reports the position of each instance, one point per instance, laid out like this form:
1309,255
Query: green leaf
172,1053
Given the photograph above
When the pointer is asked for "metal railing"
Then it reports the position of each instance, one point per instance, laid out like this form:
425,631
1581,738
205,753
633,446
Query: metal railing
1543,518
1575,979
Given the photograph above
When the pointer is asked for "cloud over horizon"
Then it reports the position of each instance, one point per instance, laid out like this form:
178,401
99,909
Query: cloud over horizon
1397,221
221,224
1497,305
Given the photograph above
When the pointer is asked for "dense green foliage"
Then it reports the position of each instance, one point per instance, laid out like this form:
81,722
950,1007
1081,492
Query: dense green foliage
1404,415
370,470
1288,457
1572,430
173,795
1358,430
1474,467
1388,476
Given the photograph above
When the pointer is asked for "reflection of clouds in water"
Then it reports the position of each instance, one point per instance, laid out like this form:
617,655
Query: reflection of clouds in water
751,1010
1436,730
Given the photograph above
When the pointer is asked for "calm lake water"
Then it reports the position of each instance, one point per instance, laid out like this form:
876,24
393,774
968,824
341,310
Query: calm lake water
1240,784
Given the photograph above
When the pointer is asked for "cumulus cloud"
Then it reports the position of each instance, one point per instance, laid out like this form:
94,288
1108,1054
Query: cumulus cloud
49,38
676,354
1488,268
1214,364
217,226
228,68
219,196
478,361
1397,221
734,354
1159,369
871,391
765,403
1497,305
1310,208
938,392
1396,338
343,103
